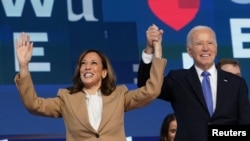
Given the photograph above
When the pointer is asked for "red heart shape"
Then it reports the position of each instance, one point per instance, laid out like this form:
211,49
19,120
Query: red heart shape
175,13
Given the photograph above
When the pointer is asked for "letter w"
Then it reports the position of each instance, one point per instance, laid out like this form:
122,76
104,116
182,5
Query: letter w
16,9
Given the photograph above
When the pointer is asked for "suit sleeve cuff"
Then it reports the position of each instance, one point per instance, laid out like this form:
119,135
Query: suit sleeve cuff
147,58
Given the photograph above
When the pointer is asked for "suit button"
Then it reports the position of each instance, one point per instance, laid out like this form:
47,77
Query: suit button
97,135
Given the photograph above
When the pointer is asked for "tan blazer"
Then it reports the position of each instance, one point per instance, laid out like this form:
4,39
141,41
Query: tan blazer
72,107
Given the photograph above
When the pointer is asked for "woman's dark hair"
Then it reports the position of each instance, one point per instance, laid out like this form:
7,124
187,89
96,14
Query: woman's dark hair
165,126
108,83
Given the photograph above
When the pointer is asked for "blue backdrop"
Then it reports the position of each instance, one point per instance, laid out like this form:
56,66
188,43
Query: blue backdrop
62,29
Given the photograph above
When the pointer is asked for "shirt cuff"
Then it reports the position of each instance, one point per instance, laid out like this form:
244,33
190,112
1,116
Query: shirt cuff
147,58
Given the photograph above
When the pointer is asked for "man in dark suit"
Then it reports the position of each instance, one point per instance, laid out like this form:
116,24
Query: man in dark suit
183,87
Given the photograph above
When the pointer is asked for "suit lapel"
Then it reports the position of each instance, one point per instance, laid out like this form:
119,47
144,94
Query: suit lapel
109,105
78,106
195,83
222,88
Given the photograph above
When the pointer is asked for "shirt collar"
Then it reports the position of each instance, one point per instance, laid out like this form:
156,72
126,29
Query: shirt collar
211,70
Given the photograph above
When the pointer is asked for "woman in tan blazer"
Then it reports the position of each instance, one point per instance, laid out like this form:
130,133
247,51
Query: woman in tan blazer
93,108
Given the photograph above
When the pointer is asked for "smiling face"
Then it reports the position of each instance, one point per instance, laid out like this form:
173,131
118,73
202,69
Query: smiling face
91,70
202,47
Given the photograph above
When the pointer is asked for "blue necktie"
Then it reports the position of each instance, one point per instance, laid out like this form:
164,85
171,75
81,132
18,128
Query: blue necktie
207,91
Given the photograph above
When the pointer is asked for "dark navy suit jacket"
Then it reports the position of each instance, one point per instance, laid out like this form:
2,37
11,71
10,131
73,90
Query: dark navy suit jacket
183,89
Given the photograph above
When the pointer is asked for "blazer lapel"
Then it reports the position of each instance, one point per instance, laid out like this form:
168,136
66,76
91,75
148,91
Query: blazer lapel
78,106
195,83
109,105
